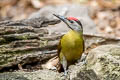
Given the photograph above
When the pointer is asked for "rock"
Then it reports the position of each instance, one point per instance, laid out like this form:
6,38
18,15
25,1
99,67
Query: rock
105,61
77,72
37,75
75,10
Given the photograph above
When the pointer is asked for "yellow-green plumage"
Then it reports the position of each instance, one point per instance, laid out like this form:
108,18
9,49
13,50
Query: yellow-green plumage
71,47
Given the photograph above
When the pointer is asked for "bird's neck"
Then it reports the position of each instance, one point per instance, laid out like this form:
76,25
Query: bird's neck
80,33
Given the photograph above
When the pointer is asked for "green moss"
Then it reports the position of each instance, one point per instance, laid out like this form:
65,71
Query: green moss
7,57
2,40
15,52
43,43
23,37
4,59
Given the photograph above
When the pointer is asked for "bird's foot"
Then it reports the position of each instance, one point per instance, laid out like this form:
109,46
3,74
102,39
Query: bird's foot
82,61
65,73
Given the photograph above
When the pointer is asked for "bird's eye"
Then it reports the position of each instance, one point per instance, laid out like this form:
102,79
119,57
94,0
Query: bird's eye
71,21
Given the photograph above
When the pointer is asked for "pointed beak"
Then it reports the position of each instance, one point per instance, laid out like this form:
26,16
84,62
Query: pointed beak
64,19
60,17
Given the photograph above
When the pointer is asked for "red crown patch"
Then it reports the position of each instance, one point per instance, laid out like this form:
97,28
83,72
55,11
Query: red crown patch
72,18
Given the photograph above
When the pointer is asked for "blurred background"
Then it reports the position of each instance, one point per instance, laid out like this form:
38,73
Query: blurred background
104,13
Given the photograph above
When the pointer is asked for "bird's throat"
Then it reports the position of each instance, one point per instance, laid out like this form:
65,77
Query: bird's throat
74,33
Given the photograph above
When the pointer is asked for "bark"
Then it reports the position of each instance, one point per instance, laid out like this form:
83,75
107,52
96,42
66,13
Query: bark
25,42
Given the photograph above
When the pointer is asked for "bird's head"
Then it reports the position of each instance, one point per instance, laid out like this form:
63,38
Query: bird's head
71,22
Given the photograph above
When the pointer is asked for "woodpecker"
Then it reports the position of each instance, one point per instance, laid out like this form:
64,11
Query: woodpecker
71,45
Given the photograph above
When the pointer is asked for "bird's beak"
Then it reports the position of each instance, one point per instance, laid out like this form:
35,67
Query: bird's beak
60,17
64,19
